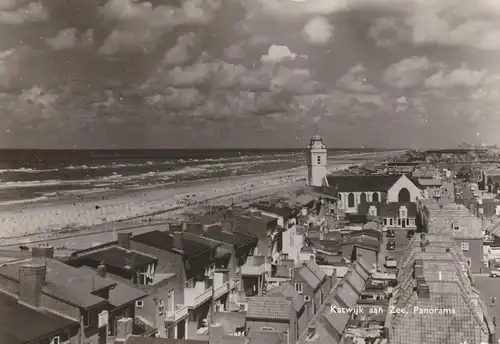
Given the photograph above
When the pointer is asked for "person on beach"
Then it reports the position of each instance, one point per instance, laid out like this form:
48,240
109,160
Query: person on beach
493,301
494,321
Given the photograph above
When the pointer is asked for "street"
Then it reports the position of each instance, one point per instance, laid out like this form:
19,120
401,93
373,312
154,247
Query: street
489,287
401,242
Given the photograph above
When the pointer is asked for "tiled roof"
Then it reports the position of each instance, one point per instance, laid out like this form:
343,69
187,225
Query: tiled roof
64,282
441,219
362,183
448,289
329,326
287,290
21,324
237,239
164,241
308,276
316,270
271,308
151,340
265,337
117,257
430,182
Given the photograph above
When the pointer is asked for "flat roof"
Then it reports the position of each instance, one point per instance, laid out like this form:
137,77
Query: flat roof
118,257
165,241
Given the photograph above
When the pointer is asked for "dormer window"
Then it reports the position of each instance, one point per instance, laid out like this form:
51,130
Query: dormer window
403,212
455,226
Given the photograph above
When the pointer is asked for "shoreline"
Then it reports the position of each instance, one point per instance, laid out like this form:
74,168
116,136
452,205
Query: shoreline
124,209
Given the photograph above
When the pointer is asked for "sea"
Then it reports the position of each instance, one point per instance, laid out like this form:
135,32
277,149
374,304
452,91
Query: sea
36,175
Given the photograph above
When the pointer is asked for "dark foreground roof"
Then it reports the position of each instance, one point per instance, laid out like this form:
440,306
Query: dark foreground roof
20,324
165,241
151,340
237,239
118,257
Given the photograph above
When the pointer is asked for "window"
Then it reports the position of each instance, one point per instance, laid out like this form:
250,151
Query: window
318,159
298,287
350,200
391,222
139,304
375,197
267,329
55,340
399,222
161,307
385,222
307,298
464,246
87,320
455,226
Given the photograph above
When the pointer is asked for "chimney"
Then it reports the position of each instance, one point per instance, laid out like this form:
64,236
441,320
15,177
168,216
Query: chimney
32,278
177,236
43,251
205,228
124,240
215,333
124,328
101,270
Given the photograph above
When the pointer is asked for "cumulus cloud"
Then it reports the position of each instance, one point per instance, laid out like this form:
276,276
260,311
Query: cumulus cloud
138,26
69,39
355,80
179,54
318,31
406,73
278,53
445,23
9,67
458,77
11,14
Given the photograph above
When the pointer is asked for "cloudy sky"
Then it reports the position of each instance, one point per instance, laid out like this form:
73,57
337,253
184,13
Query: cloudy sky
248,73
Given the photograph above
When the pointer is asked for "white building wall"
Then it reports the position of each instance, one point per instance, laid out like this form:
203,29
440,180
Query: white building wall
404,182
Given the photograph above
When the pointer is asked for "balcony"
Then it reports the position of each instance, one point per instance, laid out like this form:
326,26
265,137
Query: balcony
255,266
221,290
193,297
180,312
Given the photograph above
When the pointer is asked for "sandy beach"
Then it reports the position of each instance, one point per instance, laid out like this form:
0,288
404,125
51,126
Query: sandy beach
159,202
71,214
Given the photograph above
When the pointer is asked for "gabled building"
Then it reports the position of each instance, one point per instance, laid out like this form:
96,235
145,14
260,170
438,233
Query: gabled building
432,186
394,215
328,326
456,221
292,241
282,310
355,190
75,294
187,266
441,305
312,282
233,252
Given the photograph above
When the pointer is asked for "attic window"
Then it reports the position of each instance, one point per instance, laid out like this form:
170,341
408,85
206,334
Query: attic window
298,287
464,246
307,298
455,226
139,304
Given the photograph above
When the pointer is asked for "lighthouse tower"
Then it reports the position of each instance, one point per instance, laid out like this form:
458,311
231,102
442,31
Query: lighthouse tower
317,161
